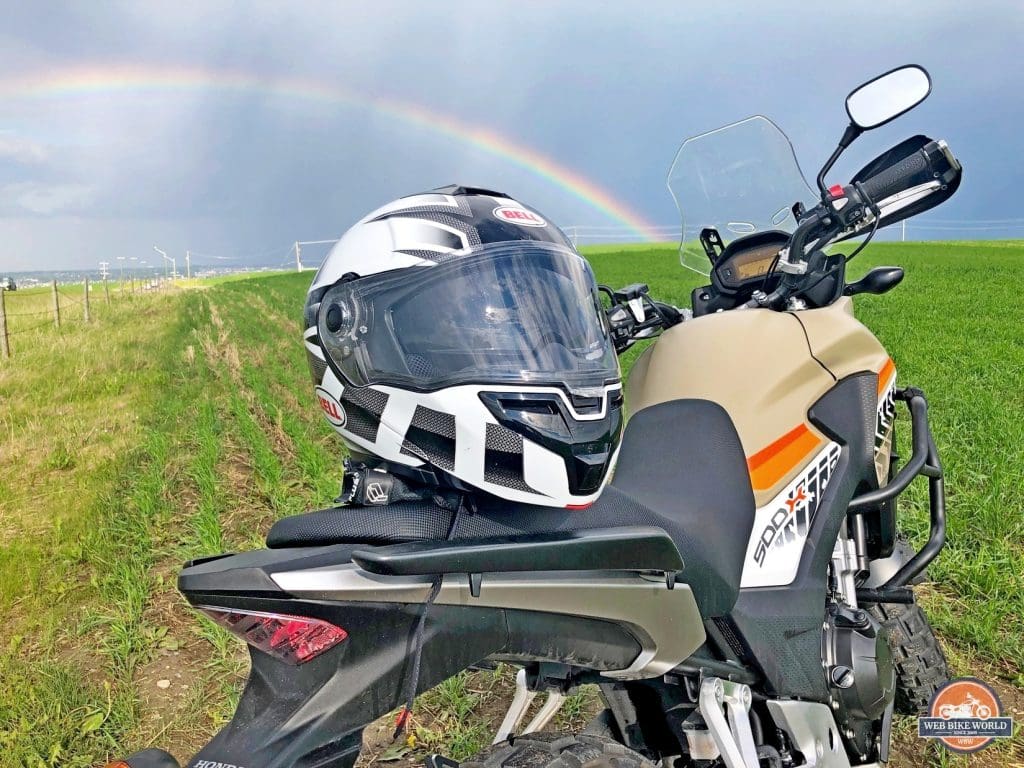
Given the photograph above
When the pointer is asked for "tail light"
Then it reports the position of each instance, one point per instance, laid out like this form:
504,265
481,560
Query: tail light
292,639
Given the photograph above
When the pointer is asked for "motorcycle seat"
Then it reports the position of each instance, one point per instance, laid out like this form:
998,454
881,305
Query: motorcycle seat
681,468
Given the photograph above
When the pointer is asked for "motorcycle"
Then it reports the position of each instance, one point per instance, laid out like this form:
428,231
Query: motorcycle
972,707
733,589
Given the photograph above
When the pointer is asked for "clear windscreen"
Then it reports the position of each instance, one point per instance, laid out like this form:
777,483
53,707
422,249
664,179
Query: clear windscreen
739,179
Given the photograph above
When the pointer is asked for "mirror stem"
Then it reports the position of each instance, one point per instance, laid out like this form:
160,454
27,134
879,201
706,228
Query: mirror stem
852,132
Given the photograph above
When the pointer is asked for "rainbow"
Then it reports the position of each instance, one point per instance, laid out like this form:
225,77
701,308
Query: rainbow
79,81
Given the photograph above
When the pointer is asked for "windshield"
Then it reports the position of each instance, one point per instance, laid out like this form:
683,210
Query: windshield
740,179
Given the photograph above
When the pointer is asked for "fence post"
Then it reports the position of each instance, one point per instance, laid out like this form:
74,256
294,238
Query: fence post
56,306
85,303
106,291
5,344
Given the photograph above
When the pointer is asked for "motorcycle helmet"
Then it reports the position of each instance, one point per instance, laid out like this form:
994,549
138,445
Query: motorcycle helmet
458,336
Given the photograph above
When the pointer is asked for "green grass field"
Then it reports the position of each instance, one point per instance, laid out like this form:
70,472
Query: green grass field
181,423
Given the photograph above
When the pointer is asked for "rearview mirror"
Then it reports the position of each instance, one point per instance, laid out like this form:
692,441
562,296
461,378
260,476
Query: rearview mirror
888,96
878,281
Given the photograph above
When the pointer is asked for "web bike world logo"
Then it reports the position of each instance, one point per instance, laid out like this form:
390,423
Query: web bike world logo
965,715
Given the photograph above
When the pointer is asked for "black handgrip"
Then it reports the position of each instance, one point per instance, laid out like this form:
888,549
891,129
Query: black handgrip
905,174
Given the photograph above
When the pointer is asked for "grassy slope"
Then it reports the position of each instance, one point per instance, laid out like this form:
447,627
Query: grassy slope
182,424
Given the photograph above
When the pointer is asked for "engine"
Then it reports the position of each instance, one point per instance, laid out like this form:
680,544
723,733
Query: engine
861,677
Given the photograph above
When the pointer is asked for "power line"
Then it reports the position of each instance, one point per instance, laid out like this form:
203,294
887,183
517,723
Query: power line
965,227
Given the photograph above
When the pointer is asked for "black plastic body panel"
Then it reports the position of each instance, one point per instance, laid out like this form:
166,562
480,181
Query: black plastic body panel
635,548
313,714
783,625
248,573
707,505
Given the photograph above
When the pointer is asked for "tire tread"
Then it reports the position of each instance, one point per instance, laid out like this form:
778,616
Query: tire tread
921,667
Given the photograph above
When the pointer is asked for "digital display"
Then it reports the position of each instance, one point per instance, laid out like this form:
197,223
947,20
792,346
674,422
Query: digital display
748,264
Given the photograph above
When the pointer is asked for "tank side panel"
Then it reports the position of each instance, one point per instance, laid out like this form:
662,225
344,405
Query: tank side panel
757,365
637,383
841,342
846,347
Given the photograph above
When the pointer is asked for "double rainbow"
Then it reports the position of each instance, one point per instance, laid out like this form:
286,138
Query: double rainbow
84,81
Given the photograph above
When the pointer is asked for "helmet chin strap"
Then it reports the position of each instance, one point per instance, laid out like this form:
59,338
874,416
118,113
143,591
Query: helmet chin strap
412,682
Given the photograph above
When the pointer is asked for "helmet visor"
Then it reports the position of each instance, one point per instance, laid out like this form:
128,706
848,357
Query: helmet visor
509,313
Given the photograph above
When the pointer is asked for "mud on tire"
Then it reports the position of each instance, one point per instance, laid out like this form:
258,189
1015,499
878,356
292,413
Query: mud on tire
917,656
559,750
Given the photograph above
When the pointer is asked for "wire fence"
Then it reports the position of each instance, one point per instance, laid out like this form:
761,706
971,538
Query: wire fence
932,229
21,311
16,308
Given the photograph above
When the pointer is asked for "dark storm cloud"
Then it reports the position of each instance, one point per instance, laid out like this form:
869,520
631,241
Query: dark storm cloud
608,90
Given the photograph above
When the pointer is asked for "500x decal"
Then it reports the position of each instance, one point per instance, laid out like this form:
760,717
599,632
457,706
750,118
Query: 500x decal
781,526
886,413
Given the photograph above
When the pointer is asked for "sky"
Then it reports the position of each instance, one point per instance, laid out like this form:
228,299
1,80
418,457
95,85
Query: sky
234,129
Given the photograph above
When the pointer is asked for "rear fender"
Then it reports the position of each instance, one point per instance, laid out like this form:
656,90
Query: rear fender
314,714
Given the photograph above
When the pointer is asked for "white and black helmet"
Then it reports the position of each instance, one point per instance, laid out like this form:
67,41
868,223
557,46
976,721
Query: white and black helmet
458,332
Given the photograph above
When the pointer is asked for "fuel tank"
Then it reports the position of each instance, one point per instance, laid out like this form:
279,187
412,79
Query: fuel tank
766,369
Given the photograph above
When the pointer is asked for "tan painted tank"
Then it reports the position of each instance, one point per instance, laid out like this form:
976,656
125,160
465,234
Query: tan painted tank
766,369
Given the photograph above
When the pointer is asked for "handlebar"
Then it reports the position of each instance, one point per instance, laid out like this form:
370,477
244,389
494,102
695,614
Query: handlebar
899,177
628,323
932,164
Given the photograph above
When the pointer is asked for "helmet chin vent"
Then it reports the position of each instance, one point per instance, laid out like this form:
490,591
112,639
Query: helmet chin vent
590,469
363,406
503,459
585,404
431,437
586,445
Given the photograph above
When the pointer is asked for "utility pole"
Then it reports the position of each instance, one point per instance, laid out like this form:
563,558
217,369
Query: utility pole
188,265
104,272
56,305
5,344
298,249
903,227
85,302
167,259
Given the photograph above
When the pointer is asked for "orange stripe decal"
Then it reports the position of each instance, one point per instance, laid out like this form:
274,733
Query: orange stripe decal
885,375
772,463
